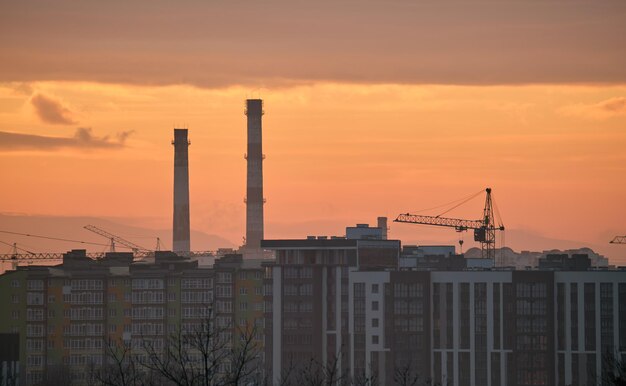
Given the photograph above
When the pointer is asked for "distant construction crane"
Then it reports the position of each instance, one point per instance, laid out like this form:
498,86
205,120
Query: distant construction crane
22,255
115,239
618,240
484,229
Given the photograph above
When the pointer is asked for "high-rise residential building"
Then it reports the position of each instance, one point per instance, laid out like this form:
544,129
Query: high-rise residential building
376,314
66,315
488,327
307,297
239,298
360,308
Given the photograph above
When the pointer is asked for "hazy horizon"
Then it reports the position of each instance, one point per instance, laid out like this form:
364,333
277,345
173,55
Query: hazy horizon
144,231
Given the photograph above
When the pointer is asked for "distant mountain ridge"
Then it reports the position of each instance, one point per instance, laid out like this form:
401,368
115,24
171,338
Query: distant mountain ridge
72,228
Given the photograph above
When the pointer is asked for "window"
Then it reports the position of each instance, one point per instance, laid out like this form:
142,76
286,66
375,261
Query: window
203,297
34,360
243,291
196,283
374,288
375,305
416,290
375,322
306,289
84,284
242,275
147,283
34,314
224,306
34,298
290,290
51,299
243,306
34,285
306,307
224,277
224,291
34,344
148,297
291,272
15,283
374,339
258,291
112,297
359,290
290,306
34,330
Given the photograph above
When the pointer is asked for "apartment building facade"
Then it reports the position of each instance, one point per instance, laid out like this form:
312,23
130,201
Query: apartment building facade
488,327
66,315
307,299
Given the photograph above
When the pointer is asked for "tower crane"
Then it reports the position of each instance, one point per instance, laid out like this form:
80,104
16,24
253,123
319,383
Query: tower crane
30,257
484,229
115,239
618,240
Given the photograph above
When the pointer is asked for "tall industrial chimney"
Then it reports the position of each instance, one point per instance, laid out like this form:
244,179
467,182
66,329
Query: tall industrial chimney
254,193
180,238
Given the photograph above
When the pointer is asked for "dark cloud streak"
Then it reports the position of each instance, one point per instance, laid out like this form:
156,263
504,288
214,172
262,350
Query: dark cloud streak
614,105
285,42
49,110
83,139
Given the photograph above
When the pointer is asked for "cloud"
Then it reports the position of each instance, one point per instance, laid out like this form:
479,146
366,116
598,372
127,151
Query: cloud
614,105
22,88
83,139
52,111
598,111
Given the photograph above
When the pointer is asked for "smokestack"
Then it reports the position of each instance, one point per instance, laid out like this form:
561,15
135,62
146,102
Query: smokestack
180,238
382,224
254,193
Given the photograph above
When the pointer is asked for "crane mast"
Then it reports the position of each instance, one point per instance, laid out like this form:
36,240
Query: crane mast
486,234
484,229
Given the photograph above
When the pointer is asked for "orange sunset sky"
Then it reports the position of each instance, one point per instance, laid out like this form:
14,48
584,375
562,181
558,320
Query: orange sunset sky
372,108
